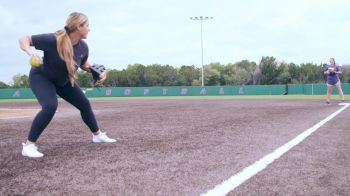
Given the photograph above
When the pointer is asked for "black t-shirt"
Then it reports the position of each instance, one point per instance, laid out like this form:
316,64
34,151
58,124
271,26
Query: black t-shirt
54,68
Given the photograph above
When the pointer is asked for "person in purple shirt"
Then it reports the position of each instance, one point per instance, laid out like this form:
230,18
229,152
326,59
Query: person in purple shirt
332,71
64,52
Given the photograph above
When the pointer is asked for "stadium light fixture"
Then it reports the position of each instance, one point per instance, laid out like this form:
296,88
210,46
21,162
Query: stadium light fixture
201,18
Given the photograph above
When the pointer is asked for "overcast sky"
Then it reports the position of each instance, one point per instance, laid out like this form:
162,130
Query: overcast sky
160,31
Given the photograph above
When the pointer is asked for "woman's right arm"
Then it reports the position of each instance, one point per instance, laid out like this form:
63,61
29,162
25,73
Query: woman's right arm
25,44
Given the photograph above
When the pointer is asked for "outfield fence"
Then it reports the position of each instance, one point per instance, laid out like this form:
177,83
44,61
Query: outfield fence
291,89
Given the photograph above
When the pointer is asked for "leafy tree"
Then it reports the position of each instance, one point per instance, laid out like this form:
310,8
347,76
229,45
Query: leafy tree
284,76
257,76
112,78
152,75
345,76
311,73
84,79
294,71
211,76
249,68
4,85
123,78
196,83
136,75
20,81
227,75
269,71
244,72
187,75
235,75
169,75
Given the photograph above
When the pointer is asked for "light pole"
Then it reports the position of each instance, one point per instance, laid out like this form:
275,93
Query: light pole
201,18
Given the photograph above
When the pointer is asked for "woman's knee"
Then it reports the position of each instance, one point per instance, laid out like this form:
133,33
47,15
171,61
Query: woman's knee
86,106
50,107
84,101
329,90
340,90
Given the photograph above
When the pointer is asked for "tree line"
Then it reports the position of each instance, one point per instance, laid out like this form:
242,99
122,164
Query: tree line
269,71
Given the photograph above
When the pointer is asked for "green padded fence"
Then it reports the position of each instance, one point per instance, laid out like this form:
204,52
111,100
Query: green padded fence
185,91
16,93
309,89
315,89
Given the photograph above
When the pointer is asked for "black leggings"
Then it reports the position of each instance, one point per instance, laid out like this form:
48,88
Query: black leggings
45,91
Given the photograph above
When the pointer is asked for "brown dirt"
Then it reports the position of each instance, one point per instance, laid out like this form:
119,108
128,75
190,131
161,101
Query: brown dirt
178,147
6,113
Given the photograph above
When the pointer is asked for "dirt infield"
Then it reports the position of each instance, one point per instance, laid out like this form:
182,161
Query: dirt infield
7,113
178,147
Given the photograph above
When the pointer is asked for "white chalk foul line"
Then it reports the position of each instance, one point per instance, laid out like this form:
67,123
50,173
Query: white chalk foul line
237,179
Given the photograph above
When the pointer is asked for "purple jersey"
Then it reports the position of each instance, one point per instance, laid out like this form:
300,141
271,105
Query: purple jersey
332,77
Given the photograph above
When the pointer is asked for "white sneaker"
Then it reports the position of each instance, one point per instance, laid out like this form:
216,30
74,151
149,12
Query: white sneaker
30,150
102,137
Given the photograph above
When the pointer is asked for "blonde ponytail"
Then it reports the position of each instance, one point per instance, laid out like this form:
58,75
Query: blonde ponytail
64,44
65,50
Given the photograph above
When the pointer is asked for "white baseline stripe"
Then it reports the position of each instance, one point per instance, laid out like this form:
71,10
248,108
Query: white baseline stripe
237,179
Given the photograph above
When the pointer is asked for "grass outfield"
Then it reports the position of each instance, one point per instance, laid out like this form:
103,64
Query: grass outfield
282,97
